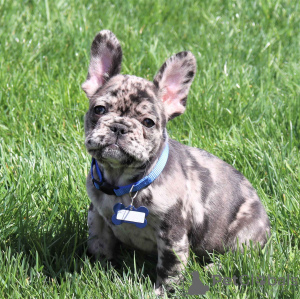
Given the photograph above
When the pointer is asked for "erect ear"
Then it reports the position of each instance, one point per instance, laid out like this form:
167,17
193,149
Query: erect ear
173,81
106,58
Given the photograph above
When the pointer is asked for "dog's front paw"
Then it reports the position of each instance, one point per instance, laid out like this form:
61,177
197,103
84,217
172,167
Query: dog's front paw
159,291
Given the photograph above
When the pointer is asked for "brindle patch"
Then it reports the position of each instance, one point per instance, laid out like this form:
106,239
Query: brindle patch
169,259
235,207
146,199
162,272
255,208
204,176
172,161
124,111
245,219
91,208
207,182
173,227
197,233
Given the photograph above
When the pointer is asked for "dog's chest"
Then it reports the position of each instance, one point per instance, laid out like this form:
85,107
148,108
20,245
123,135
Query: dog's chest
127,233
140,238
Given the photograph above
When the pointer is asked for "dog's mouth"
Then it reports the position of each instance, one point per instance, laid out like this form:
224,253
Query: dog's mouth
113,153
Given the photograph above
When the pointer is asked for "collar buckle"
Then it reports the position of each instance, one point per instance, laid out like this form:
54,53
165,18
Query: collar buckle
104,187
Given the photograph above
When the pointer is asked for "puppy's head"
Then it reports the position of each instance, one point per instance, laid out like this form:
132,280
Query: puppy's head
127,116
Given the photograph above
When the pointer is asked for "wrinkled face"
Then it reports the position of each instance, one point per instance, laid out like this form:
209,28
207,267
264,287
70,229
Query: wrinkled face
125,121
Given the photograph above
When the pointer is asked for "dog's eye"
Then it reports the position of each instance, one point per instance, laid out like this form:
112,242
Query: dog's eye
99,110
147,122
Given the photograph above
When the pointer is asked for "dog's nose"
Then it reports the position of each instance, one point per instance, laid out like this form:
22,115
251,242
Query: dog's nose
119,129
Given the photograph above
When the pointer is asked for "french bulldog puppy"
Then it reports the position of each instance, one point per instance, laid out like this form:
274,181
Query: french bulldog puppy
197,201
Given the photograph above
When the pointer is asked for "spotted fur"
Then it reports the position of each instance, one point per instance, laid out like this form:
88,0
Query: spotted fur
197,202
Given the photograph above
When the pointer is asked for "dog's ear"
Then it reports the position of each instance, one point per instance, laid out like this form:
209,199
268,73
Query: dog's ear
106,58
173,81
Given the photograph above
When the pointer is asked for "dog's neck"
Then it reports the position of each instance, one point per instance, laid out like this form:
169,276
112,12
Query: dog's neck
122,175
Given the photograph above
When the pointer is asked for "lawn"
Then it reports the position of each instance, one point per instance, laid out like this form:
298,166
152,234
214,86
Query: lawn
244,107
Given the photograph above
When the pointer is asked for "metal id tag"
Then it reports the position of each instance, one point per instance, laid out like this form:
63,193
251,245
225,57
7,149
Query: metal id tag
132,216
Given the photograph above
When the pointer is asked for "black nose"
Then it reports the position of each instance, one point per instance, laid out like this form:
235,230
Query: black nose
119,129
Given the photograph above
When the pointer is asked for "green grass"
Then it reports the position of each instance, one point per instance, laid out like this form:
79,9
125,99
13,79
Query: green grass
244,107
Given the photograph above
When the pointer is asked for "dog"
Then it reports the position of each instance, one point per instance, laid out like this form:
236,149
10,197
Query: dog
194,199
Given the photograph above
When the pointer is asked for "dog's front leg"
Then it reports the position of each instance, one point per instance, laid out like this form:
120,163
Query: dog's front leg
172,258
101,241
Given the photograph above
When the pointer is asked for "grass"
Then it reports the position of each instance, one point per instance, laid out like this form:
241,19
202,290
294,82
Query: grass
244,107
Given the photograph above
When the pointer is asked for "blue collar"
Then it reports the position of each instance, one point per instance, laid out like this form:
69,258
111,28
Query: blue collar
119,191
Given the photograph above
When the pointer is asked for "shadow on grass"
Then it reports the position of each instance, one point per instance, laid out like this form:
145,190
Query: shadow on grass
60,246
